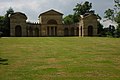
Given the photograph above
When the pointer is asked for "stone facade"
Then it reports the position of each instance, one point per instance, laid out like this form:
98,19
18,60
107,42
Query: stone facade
51,24
88,25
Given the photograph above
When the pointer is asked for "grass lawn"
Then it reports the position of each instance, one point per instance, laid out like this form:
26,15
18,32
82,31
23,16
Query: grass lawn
60,58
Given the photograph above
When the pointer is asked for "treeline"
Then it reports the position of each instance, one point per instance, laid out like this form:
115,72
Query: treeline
113,15
5,23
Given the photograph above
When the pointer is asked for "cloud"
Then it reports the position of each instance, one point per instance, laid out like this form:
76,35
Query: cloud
32,8
107,23
101,5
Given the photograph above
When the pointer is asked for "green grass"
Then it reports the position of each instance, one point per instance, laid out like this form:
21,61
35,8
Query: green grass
60,58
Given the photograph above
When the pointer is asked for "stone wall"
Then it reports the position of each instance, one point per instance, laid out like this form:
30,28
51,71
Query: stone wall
50,24
86,22
18,19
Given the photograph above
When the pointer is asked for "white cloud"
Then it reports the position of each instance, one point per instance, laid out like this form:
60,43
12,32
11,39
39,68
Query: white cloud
32,8
107,23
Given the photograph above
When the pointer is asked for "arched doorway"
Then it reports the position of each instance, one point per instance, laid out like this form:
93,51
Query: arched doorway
81,30
66,32
18,31
36,32
27,31
90,30
72,31
52,31
77,31
30,33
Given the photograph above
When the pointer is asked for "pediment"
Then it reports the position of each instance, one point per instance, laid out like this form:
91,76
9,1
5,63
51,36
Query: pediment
93,16
18,15
51,12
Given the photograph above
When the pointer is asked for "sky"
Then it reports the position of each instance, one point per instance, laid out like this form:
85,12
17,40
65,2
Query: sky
32,8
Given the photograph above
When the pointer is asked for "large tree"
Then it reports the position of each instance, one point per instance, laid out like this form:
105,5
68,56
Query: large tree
117,5
2,18
80,9
109,14
7,22
68,19
114,15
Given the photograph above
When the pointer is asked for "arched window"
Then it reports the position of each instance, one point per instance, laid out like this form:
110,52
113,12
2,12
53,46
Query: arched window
90,30
18,31
81,30
72,31
52,21
27,31
30,32
77,31
66,32
52,31
36,32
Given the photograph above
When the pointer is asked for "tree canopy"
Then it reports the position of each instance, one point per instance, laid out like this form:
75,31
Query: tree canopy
109,14
9,11
80,9
114,15
68,19
5,22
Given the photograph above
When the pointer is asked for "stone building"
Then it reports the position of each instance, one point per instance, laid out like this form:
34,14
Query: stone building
51,24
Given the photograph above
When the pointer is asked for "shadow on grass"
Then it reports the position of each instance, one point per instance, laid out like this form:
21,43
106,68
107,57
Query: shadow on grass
3,61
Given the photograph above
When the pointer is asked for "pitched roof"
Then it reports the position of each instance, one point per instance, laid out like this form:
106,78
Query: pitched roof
87,15
19,13
50,11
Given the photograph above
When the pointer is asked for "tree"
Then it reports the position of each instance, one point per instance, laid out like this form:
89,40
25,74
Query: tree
9,11
117,18
111,30
7,22
2,18
68,19
117,32
109,14
114,15
81,9
100,26
100,29
117,5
